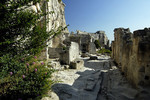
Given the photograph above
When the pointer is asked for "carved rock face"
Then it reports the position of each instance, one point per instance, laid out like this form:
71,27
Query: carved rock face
131,51
55,20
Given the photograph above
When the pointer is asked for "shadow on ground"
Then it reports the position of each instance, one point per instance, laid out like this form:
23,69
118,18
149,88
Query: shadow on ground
96,64
93,84
87,85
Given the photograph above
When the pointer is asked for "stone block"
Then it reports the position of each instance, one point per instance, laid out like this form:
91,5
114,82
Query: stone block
77,64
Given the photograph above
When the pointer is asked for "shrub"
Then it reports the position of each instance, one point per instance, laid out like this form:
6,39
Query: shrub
59,1
21,38
97,44
103,50
32,80
64,48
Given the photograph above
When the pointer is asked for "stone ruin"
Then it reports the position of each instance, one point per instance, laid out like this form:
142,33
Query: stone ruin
52,20
66,54
65,47
74,45
132,53
86,40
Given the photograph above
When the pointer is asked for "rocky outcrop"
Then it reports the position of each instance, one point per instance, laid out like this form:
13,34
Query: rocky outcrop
55,13
132,53
54,21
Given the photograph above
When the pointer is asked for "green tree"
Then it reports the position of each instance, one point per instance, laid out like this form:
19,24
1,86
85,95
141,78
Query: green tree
97,44
19,29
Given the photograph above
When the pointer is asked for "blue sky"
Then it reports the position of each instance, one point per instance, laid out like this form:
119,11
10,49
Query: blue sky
94,15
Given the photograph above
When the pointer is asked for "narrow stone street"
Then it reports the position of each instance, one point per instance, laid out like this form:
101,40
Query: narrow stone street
97,80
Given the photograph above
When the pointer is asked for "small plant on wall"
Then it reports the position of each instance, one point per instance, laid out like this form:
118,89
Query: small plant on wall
59,1
97,44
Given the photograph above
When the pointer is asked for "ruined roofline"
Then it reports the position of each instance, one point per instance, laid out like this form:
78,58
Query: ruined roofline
100,31
141,32
122,29
84,32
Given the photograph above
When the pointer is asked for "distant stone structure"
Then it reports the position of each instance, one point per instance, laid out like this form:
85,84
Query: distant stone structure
86,40
75,44
132,53
103,39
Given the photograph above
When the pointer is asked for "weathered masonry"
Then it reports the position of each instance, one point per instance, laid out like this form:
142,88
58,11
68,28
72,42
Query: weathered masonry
132,53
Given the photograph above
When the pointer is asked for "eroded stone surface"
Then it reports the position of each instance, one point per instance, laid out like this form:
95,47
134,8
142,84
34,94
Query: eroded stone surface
131,52
96,80
74,83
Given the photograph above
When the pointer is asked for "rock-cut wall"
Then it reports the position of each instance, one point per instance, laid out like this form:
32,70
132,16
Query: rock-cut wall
132,53
58,17
55,20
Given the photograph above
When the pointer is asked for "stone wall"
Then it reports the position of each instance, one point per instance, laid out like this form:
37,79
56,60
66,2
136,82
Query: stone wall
132,53
54,52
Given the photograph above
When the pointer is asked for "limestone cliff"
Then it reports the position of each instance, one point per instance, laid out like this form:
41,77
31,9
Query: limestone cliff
55,20
58,17
132,53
